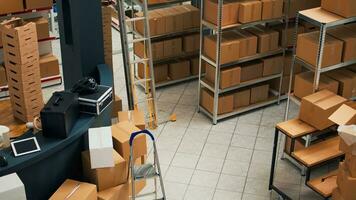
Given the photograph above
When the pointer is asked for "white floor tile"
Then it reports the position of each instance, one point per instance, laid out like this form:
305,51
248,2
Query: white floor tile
215,150
219,138
239,154
243,141
179,175
237,168
189,146
247,129
231,183
175,191
210,164
205,179
198,192
185,160
226,195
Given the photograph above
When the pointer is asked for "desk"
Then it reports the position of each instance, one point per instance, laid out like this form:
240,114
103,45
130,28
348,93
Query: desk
43,172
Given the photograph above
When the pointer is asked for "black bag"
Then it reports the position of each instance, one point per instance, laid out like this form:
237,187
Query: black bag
60,114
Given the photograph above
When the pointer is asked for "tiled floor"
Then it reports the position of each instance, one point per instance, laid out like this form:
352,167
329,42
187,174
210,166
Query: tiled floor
228,161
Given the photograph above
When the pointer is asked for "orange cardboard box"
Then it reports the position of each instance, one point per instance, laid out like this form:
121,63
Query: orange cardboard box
267,38
42,27
7,7
156,21
49,66
194,66
191,43
105,178
120,192
136,117
315,109
185,15
3,79
179,70
194,15
226,102
286,37
337,195
303,85
274,84
345,115
248,43
250,11
346,183
347,82
272,65
272,9
160,72
172,47
73,190
36,4
259,94
230,12
349,38
242,98
117,106
169,19
157,50
288,65
308,45
228,76
345,8
230,48
251,71
178,19
121,133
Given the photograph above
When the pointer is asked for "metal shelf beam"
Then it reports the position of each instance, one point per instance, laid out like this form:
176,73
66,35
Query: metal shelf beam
324,69
238,25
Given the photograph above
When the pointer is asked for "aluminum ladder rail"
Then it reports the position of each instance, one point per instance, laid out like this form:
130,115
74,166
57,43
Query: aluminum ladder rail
145,171
130,63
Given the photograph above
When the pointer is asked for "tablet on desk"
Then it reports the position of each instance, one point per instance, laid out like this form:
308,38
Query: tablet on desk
25,146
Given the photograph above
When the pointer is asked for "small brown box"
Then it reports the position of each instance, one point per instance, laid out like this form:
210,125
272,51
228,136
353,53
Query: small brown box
172,47
251,71
169,18
248,43
42,27
228,76
185,16
178,23
242,98
250,11
194,15
85,191
179,70
259,94
49,66
308,45
349,38
118,192
194,66
225,105
36,4
272,9
7,7
303,85
288,64
347,82
272,65
267,38
117,106
230,12
160,72
191,43
345,8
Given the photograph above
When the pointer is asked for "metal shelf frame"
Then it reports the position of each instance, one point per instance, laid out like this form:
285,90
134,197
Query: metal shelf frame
218,30
167,36
318,70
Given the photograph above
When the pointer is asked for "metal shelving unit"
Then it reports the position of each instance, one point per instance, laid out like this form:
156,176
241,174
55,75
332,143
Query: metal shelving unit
324,20
215,88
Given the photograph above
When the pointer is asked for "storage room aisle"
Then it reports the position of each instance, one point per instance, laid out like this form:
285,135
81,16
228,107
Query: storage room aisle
201,161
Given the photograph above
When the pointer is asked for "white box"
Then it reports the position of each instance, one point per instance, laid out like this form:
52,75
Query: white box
100,147
12,188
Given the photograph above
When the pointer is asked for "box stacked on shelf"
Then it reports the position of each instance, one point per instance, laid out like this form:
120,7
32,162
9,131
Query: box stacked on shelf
15,6
175,42
297,5
345,8
22,67
106,19
49,66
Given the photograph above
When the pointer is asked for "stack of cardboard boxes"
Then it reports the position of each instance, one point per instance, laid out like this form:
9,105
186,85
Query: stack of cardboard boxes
105,165
166,21
106,19
7,7
345,116
22,68
236,11
344,8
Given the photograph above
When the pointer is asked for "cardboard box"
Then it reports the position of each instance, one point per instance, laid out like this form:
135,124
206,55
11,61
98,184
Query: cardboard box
349,38
160,72
3,79
272,9
36,4
251,71
288,65
250,11
230,12
185,16
272,65
336,195
73,190
49,66
267,38
248,43
191,43
259,93
169,19
179,70
226,102
134,116
242,98
172,47
13,6
194,66
347,82
274,84
42,27
315,109
121,133
178,19
308,45
100,147
194,16
345,8
117,106
348,139
346,183
345,115
303,85
230,48
286,37
156,21
108,177
11,187
120,192
350,163
157,50
228,76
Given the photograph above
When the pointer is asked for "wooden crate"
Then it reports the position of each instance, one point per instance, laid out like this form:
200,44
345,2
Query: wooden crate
21,58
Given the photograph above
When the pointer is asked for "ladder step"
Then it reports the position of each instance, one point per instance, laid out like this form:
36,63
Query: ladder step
143,60
324,185
319,152
145,171
138,40
135,19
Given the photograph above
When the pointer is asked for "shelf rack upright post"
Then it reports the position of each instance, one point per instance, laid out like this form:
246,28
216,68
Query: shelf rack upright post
215,88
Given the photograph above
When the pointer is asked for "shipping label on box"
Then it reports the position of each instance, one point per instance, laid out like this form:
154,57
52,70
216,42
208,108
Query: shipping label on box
100,147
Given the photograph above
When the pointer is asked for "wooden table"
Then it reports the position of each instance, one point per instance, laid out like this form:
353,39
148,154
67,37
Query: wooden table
17,127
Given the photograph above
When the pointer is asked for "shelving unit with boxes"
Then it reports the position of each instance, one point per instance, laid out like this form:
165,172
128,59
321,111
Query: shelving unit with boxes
37,12
175,44
240,58
324,53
